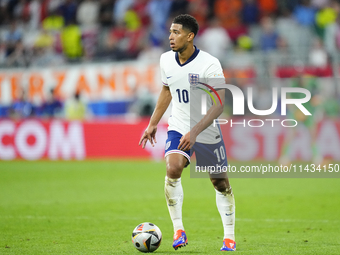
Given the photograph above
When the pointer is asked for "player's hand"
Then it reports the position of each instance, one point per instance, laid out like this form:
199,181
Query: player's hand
186,142
149,135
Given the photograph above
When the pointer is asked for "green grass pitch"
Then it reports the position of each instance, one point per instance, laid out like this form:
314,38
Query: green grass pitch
91,207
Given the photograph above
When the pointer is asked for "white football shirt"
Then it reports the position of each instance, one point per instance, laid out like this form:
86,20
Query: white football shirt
182,80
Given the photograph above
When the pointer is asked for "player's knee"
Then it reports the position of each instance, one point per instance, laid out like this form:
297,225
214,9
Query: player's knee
219,184
174,170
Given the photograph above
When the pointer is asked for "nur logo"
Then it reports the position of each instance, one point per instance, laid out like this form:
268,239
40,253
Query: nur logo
239,98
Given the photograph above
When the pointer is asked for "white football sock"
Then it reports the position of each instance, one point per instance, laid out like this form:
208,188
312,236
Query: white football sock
226,206
174,197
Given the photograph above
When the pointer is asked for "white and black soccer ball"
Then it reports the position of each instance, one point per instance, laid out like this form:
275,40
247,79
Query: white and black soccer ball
146,237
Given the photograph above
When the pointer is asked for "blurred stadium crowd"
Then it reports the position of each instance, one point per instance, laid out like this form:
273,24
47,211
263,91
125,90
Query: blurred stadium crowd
51,32
254,34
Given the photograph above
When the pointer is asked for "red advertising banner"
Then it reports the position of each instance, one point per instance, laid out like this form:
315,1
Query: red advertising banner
62,140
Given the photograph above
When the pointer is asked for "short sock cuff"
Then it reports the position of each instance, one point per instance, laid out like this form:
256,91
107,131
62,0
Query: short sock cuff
228,191
170,180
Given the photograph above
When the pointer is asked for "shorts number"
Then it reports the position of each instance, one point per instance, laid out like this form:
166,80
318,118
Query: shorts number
220,154
185,95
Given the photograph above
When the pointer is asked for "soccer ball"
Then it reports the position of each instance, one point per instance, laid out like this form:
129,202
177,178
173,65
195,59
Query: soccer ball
146,237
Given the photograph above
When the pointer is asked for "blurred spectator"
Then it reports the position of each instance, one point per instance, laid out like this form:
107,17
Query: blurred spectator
54,4
44,39
326,15
68,10
132,20
284,4
75,108
71,42
281,57
89,41
52,107
323,18
140,7
21,107
267,7
298,40
22,10
178,7
332,31
53,22
35,14
114,43
20,57
241,57
106,13
269,38
120,8
2,53
304,13
3,12
215,40
44,9
87,17
332,37
319,4
46,57
87,14
318,55
11,37
29,11
159,11
284,23
250,12
10,8
200,10
44,54
146,24
245,42
228,11
122,43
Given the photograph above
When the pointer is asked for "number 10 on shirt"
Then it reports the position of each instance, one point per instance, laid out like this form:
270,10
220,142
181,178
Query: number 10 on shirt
184,96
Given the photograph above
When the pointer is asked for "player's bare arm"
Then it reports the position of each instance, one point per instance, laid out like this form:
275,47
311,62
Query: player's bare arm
161,106
189,139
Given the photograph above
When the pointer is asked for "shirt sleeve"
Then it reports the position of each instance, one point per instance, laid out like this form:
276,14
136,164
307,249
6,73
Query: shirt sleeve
214,74
163,75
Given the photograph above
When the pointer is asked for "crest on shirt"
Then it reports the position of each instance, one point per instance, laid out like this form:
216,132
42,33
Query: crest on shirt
194,79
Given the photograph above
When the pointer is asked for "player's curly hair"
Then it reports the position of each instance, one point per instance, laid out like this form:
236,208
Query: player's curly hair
188,22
